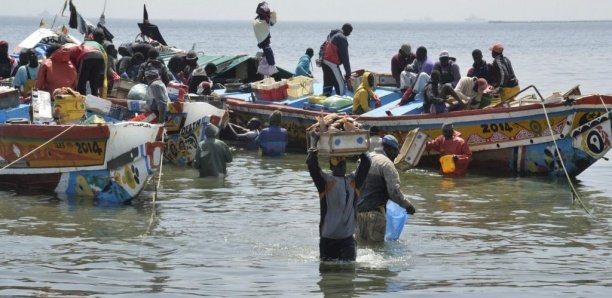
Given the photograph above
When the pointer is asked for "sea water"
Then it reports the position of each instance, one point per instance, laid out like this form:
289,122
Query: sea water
255,233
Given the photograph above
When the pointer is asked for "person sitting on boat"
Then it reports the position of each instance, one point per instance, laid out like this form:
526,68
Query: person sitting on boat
471,90
25,79
153,63
56,71
435,97
417,74
140,47
449,70
451,143
129,67
200,75
303,67
7,63
381,184
272,140
212,154
261,25
157,95
365,94
506,82
22,60
247,137
191,63
89,62
399,61
337,200
334,52
480,68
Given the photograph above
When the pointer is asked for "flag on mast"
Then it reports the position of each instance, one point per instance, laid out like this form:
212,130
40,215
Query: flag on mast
65,6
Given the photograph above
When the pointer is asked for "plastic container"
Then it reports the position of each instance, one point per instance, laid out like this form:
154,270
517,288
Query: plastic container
343,143
69,108
448,164
299,86
396,219
411,151
270,90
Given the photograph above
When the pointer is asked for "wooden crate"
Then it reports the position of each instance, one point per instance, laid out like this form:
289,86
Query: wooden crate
121,88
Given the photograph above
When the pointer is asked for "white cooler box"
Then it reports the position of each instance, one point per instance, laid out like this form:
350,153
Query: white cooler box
411,151
343,143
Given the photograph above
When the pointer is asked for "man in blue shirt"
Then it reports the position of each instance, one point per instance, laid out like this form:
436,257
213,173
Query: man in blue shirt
303,67
273,140
25,79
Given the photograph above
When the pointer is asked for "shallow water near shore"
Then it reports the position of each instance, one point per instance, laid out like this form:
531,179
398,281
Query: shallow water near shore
255,233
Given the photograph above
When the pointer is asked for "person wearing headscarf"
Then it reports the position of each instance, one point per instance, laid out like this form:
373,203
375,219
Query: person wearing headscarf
157,95
451,143
381,184
25,79
56,71
338,195
364,94
272,140
7,63
212,154
261,26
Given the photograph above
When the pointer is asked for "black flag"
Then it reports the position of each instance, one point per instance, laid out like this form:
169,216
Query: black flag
150,30
73,23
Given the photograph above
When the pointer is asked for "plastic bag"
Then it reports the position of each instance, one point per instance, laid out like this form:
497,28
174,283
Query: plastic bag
338,102
138,92
396,218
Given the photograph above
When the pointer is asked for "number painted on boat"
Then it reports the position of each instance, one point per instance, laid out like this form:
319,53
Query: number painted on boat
495,127
88,147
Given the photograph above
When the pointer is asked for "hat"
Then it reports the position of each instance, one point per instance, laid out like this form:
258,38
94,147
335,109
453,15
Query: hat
191,55
497,48
391,141
406,48
444,54
482,84
275,118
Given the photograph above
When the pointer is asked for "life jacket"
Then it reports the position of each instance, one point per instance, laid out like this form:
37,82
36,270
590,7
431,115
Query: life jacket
29,84
330,50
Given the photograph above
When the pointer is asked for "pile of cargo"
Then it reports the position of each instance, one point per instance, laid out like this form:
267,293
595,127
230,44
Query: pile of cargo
339,135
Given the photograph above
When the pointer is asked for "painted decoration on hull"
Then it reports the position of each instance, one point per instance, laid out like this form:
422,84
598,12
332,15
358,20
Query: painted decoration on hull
594,137
57,154
182,144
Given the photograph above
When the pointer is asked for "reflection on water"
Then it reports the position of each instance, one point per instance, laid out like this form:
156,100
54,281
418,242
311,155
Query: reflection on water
256,233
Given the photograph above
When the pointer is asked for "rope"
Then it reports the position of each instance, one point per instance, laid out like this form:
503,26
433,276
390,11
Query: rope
575,195
604,104
38,148
157,185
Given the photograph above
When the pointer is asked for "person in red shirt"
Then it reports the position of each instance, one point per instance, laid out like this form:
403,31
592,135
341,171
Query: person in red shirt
451,143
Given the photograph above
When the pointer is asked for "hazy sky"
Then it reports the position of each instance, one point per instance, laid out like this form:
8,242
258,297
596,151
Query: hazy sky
331,10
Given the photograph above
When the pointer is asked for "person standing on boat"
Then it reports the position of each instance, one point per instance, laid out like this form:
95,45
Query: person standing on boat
89,63
25,79
507,81
334,52
272,140
449,70
381,184
480,68
212,154
261,25
399,61
365,94
337,200
303,67
7,63
451,143
191,63
56,71
157,95
153,63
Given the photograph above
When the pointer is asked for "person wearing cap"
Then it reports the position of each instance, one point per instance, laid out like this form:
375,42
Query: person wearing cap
365,94
381,184
25,79
400,60
436,96
191,63
451,143
471,90
154,63
334,52
303,66
248,137
449,70
7,63
261,26
157,95
480,68
56,71
212,154
272,140
338,194
506,80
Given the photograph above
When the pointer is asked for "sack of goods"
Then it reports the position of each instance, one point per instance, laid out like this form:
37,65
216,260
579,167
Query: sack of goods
339,135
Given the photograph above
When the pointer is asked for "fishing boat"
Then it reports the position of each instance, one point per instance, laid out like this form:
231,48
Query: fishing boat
109,162
520,137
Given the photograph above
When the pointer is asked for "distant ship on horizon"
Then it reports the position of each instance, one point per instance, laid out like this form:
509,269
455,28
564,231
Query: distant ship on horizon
475,19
